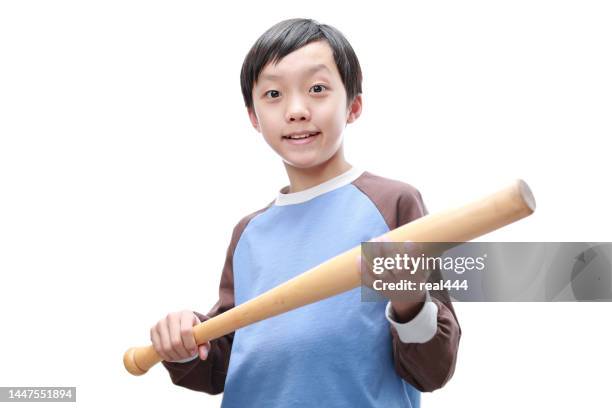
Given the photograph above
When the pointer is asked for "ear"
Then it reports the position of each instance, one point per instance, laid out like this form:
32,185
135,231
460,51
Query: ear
354,110
253,119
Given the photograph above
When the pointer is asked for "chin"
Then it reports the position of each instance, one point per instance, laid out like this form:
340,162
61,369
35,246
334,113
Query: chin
303,163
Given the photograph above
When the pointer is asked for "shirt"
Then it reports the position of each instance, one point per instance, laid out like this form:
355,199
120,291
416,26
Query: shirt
339,351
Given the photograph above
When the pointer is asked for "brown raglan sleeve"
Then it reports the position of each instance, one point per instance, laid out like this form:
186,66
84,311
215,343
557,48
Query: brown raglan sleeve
429,365
209,375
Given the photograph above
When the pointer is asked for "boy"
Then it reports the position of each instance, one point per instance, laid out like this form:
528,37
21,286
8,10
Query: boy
301,83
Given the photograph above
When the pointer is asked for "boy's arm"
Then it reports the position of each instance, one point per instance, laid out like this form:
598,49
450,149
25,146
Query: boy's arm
209,375
425,347
426,357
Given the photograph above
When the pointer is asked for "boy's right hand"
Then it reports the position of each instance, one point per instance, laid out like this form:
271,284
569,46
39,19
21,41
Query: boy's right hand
173,339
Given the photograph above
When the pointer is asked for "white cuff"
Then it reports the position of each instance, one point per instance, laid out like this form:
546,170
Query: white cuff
186,360
421,328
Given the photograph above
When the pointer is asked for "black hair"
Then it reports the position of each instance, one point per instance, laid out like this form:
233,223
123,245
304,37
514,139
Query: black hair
289,35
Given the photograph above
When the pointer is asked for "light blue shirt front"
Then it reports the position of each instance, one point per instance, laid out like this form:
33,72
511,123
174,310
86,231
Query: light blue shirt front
335,352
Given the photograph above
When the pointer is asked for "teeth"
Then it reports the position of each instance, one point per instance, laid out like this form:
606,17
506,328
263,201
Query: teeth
302,136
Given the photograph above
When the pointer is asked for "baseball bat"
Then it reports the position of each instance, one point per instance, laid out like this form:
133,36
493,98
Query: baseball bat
341,273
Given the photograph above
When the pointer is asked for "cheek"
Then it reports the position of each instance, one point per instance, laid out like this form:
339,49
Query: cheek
268,123
332,118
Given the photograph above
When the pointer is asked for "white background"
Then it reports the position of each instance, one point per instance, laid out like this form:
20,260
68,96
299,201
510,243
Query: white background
126,158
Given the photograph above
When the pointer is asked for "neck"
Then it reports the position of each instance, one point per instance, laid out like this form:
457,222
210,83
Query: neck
302,179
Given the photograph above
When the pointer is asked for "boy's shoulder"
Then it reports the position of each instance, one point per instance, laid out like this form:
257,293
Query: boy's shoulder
386,187
397,201
241,225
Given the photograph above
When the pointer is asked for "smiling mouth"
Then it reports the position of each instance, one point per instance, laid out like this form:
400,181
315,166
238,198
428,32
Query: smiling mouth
300,137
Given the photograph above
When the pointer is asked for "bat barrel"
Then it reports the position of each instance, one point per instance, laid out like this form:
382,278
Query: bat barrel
472,220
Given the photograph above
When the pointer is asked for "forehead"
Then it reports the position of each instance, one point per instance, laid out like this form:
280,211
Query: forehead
316,57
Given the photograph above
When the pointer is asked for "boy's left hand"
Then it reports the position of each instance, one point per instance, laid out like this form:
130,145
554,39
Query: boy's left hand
406,305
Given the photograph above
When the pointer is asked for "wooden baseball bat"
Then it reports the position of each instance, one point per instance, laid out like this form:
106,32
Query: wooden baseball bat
342,273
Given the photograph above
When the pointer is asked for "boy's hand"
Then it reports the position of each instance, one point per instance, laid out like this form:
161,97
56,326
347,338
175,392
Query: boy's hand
392,275
406,305
173,339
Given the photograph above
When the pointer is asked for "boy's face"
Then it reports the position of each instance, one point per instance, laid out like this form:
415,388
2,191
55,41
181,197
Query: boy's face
303,94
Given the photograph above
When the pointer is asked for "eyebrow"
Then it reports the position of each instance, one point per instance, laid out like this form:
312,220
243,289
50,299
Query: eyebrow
310,71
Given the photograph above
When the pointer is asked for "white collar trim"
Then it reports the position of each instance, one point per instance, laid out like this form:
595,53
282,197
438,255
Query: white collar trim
312,192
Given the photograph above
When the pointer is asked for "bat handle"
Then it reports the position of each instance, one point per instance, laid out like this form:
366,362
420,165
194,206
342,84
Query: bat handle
138,360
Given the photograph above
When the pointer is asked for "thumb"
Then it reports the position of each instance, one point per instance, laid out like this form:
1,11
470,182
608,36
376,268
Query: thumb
196,320
203,350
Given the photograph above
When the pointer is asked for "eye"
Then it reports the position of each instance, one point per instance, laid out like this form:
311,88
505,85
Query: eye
318,88
273,93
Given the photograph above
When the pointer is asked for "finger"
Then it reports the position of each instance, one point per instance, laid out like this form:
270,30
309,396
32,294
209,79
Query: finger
157,344
365,270
365,264
366,278
203,350
196,319
189,343
174,328
379,250
381,238
410,246
164,334
164,340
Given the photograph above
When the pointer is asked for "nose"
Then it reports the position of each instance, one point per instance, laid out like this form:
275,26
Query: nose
297,110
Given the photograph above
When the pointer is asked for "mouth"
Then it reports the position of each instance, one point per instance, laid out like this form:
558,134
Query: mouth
301,139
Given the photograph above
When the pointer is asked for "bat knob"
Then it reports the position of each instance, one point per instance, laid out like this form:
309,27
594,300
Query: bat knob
129,361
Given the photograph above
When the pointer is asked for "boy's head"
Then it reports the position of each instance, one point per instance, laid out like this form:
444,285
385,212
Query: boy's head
302,77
